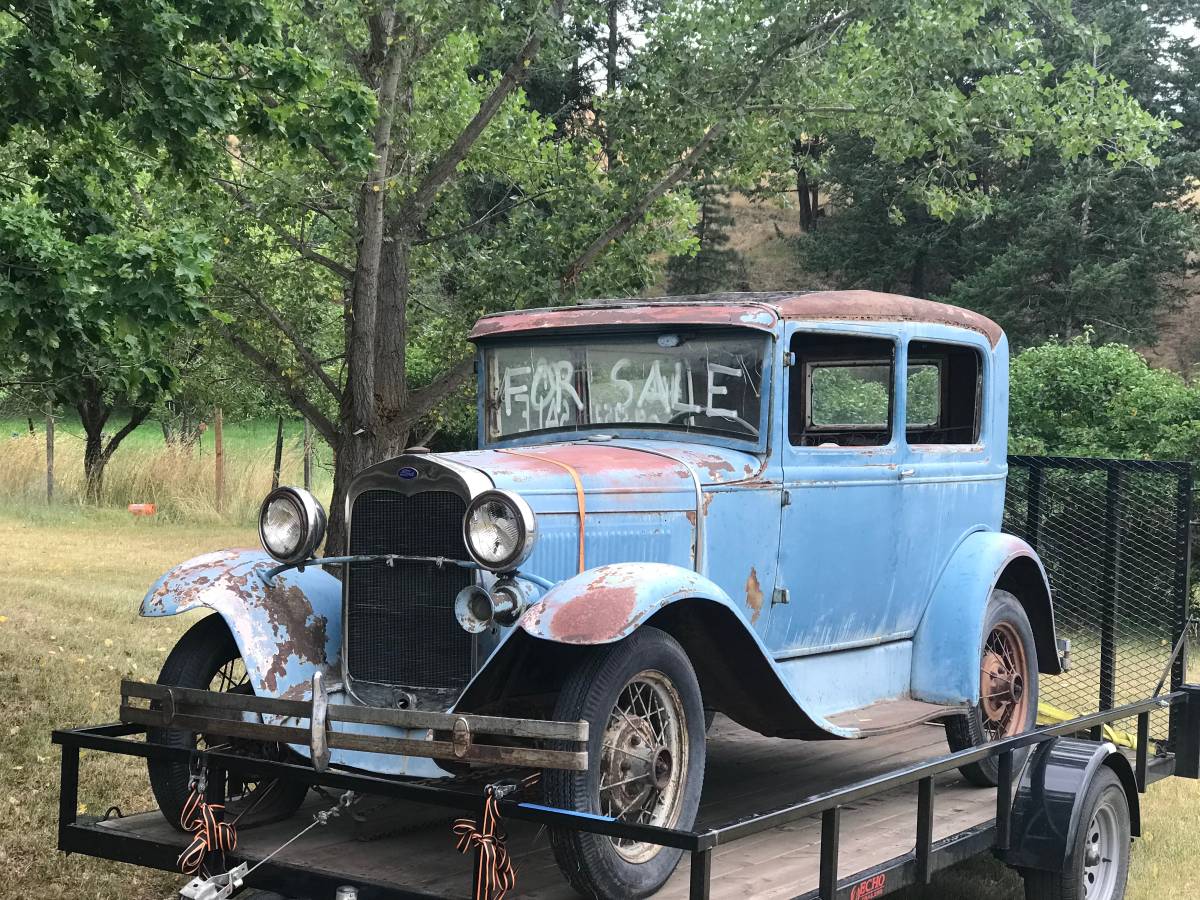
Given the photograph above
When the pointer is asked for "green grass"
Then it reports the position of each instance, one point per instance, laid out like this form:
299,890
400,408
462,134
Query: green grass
69,631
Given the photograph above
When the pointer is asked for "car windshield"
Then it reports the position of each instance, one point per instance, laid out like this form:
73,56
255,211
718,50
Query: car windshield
708,382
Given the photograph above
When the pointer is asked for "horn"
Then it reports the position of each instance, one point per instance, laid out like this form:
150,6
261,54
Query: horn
473,609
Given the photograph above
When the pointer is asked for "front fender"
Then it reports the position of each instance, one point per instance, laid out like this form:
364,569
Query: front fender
604,604
945,667
285,631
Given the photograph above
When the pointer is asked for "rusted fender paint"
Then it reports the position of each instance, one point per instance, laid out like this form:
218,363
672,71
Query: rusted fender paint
946,647
284,632
606,603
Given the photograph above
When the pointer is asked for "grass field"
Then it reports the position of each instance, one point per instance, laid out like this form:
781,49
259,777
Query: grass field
180,481
69,631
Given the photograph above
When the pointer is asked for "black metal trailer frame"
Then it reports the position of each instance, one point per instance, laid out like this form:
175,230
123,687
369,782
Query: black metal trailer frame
1111,491
78,834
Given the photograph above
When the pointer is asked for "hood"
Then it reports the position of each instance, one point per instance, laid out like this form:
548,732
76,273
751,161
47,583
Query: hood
610,467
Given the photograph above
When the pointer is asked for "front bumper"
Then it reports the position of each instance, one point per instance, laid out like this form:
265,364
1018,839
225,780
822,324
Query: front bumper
453,737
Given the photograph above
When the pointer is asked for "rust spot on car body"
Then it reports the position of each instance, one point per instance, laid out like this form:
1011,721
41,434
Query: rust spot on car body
754,595
288,613
601,611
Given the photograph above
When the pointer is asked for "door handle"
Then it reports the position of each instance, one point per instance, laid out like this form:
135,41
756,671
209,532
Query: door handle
907,473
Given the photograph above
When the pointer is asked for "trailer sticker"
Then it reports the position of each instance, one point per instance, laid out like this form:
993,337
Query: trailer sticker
869,888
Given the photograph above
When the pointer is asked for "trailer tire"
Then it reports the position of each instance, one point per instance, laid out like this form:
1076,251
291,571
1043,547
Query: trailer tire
1005,622
200,656
651,665
1103,840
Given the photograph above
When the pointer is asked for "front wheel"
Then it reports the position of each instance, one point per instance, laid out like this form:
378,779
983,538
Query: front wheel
1008,688
207,658
1098,861
646,753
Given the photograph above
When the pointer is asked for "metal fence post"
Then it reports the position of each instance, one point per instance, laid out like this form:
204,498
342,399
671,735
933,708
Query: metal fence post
1111,582
1181,587
1033,506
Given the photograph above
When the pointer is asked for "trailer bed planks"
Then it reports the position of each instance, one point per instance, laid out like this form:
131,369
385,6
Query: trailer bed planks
746,774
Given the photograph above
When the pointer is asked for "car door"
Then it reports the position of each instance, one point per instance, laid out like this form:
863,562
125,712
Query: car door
838,557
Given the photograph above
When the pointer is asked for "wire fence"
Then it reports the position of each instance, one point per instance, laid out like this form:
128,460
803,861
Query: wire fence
1114,538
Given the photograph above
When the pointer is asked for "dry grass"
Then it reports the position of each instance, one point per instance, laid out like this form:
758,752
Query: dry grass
179,481
69,631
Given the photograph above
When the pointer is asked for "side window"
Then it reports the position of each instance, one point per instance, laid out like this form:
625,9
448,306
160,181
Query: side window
944,394
841,391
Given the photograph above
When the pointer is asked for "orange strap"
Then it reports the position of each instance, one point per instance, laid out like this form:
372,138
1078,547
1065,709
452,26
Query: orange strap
210,834
579,497
495,875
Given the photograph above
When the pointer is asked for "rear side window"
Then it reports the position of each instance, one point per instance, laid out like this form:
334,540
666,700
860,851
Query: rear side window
944,397
841,391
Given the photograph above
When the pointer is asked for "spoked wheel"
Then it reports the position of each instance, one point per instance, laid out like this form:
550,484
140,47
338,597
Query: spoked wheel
207,658
1008,688
646,752
1098,861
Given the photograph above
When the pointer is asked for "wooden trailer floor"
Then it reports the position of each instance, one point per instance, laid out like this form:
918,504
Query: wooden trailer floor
746,774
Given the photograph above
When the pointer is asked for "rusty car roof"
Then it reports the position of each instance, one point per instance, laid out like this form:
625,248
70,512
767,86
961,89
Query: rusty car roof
751,310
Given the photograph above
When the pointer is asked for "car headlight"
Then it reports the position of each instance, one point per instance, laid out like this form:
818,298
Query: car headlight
291,524
499,529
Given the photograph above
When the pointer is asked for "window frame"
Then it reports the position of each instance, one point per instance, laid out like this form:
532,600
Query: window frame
981,401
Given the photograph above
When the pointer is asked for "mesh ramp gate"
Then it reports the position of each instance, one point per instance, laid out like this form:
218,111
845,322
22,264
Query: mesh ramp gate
1114,537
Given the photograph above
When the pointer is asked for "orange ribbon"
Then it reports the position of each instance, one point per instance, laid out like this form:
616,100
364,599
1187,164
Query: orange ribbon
495,875
209,832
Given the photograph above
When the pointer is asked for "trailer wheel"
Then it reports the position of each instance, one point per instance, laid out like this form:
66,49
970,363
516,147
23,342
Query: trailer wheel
1098,861
646,751
1008,690
207,658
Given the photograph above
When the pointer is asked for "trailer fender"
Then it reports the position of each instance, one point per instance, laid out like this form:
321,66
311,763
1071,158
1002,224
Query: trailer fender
1047,809
945,666
285,630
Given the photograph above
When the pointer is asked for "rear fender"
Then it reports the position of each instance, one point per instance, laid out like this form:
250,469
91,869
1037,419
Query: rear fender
945,660
286,630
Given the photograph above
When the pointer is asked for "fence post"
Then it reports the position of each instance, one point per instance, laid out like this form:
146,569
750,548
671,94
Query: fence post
49,453
1111,597
219,456
307,456
1033,506
1181,588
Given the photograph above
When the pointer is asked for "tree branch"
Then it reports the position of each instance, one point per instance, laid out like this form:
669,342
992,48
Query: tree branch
685,166
416,207
426,399
136,418
290,389
302,350
344,272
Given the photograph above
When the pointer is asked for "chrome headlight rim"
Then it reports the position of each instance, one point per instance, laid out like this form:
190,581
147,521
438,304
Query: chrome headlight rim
526,522
313,519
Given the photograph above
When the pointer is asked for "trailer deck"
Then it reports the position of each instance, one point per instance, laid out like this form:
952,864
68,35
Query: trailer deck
746,773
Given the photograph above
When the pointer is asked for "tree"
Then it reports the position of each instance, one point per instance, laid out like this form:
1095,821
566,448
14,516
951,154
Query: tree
95,281
1054,244
414,191
714,266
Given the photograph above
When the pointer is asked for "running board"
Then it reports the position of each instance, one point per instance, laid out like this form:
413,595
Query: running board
887,716
459,737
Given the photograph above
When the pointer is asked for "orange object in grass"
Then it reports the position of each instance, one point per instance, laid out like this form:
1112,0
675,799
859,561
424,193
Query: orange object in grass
142,509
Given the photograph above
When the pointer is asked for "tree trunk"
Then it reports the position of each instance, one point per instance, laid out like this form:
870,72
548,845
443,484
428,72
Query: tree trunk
93,414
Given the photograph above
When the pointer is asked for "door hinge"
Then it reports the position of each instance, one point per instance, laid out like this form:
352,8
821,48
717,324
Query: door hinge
786,499
789,359
780,595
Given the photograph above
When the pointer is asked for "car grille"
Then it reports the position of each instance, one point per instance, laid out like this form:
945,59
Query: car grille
400,625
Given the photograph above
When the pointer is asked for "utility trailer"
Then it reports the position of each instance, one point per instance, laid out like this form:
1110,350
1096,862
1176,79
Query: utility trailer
852,820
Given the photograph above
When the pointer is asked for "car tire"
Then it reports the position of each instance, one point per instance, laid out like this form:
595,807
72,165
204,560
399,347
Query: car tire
1098,860
206,652
649,671
1009,680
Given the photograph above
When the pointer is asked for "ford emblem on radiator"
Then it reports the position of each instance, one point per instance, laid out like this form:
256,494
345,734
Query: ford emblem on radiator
408,473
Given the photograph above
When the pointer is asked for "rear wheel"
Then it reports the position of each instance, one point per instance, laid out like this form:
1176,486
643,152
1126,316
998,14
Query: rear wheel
1098,861
646,752
1008,688
207,658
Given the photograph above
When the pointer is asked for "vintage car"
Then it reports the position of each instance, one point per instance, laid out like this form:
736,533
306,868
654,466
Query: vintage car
784,507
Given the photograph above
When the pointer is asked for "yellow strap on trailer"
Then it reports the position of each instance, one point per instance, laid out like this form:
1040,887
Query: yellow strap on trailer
1052,715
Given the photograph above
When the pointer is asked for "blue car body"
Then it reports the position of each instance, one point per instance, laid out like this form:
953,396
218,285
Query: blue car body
822,590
